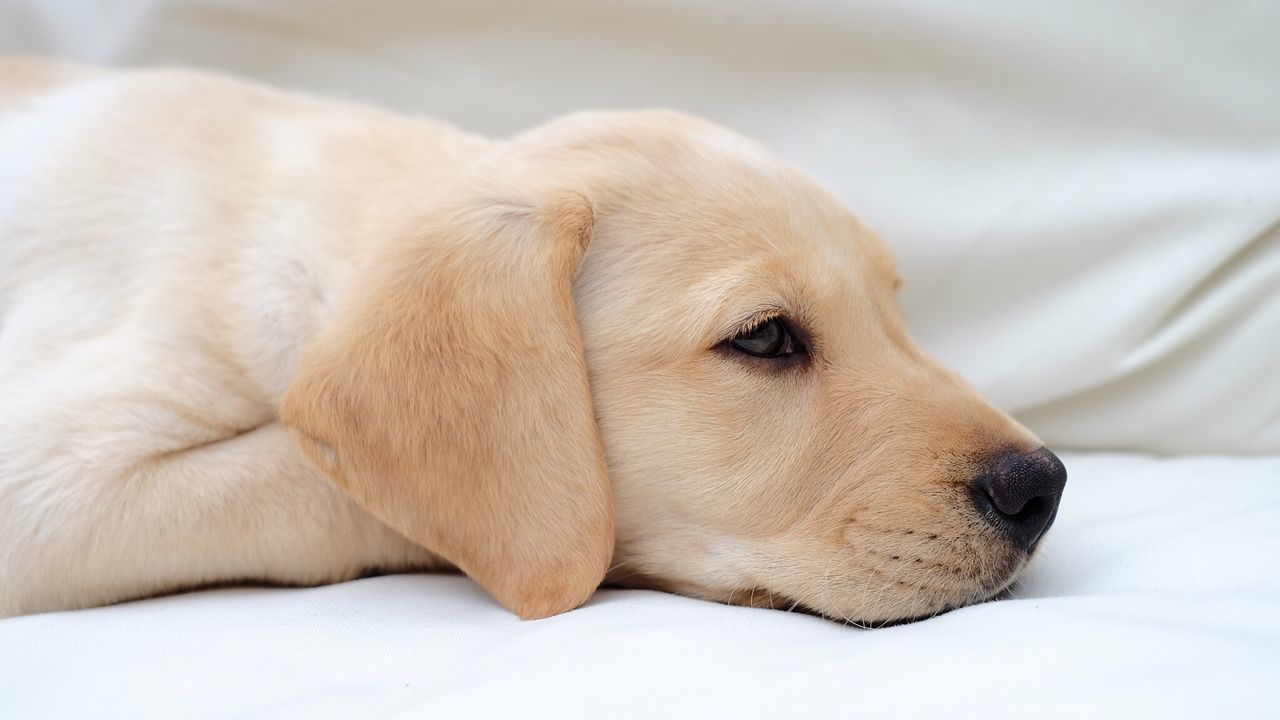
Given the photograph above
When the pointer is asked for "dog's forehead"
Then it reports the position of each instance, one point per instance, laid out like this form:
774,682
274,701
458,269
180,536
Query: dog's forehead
791,254
791,211
746,205
697,207
676,169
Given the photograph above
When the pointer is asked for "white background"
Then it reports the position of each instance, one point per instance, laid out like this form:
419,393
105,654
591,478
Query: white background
1084,197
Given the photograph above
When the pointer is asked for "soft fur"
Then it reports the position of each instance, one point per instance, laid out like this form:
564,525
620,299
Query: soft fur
506,356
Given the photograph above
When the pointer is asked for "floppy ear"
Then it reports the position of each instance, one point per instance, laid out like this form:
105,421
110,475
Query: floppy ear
450,398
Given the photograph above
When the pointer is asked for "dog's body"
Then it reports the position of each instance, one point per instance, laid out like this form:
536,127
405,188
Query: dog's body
213,295
154,298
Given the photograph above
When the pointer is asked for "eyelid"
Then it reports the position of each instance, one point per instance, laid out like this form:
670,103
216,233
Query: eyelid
755,320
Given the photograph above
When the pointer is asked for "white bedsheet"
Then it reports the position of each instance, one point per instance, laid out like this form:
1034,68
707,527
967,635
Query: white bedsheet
1157,595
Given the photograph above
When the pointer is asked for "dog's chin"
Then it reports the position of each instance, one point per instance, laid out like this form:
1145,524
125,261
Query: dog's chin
914,607
899,604
908,618
926,598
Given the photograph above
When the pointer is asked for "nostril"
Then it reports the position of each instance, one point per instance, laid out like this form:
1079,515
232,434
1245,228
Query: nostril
1032,512
1006,497
1020,493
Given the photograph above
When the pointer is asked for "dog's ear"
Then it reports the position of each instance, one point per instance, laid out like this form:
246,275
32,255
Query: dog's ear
450,398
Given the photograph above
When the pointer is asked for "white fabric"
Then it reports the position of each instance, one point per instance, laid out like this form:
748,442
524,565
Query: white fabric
1157,595
1083,196
1085,201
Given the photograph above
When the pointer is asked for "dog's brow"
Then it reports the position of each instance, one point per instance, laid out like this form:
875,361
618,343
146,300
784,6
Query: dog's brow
753,318
731,299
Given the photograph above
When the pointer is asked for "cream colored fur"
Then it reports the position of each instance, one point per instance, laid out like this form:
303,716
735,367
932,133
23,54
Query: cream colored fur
505,356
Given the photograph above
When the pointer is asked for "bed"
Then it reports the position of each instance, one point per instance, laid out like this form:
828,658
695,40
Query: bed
1085,203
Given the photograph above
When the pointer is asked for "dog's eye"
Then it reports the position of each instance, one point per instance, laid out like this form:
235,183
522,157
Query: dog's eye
769,339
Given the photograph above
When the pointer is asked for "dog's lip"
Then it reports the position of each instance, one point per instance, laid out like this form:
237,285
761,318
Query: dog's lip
886,624
1001,592
765,597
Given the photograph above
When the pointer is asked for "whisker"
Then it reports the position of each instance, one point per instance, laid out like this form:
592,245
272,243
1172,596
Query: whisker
620,564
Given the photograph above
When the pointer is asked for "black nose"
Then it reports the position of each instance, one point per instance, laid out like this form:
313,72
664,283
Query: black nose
1019,494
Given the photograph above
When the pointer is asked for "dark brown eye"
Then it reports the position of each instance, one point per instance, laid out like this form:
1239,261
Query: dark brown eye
769,339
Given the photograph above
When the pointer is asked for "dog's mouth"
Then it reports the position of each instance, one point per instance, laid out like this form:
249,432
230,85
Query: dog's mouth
778,601
923,599
1003,593
901,584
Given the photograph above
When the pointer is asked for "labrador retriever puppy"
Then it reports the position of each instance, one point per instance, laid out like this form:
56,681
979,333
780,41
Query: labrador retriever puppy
247,335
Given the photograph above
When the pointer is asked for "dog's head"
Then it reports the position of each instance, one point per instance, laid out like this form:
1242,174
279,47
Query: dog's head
643,327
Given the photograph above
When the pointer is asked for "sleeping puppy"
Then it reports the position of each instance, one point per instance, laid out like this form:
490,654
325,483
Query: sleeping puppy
253,336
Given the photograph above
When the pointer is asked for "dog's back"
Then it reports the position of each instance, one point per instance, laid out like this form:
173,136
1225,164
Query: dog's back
168,241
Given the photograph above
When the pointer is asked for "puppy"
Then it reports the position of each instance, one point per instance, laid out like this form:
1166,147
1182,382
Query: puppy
251,335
